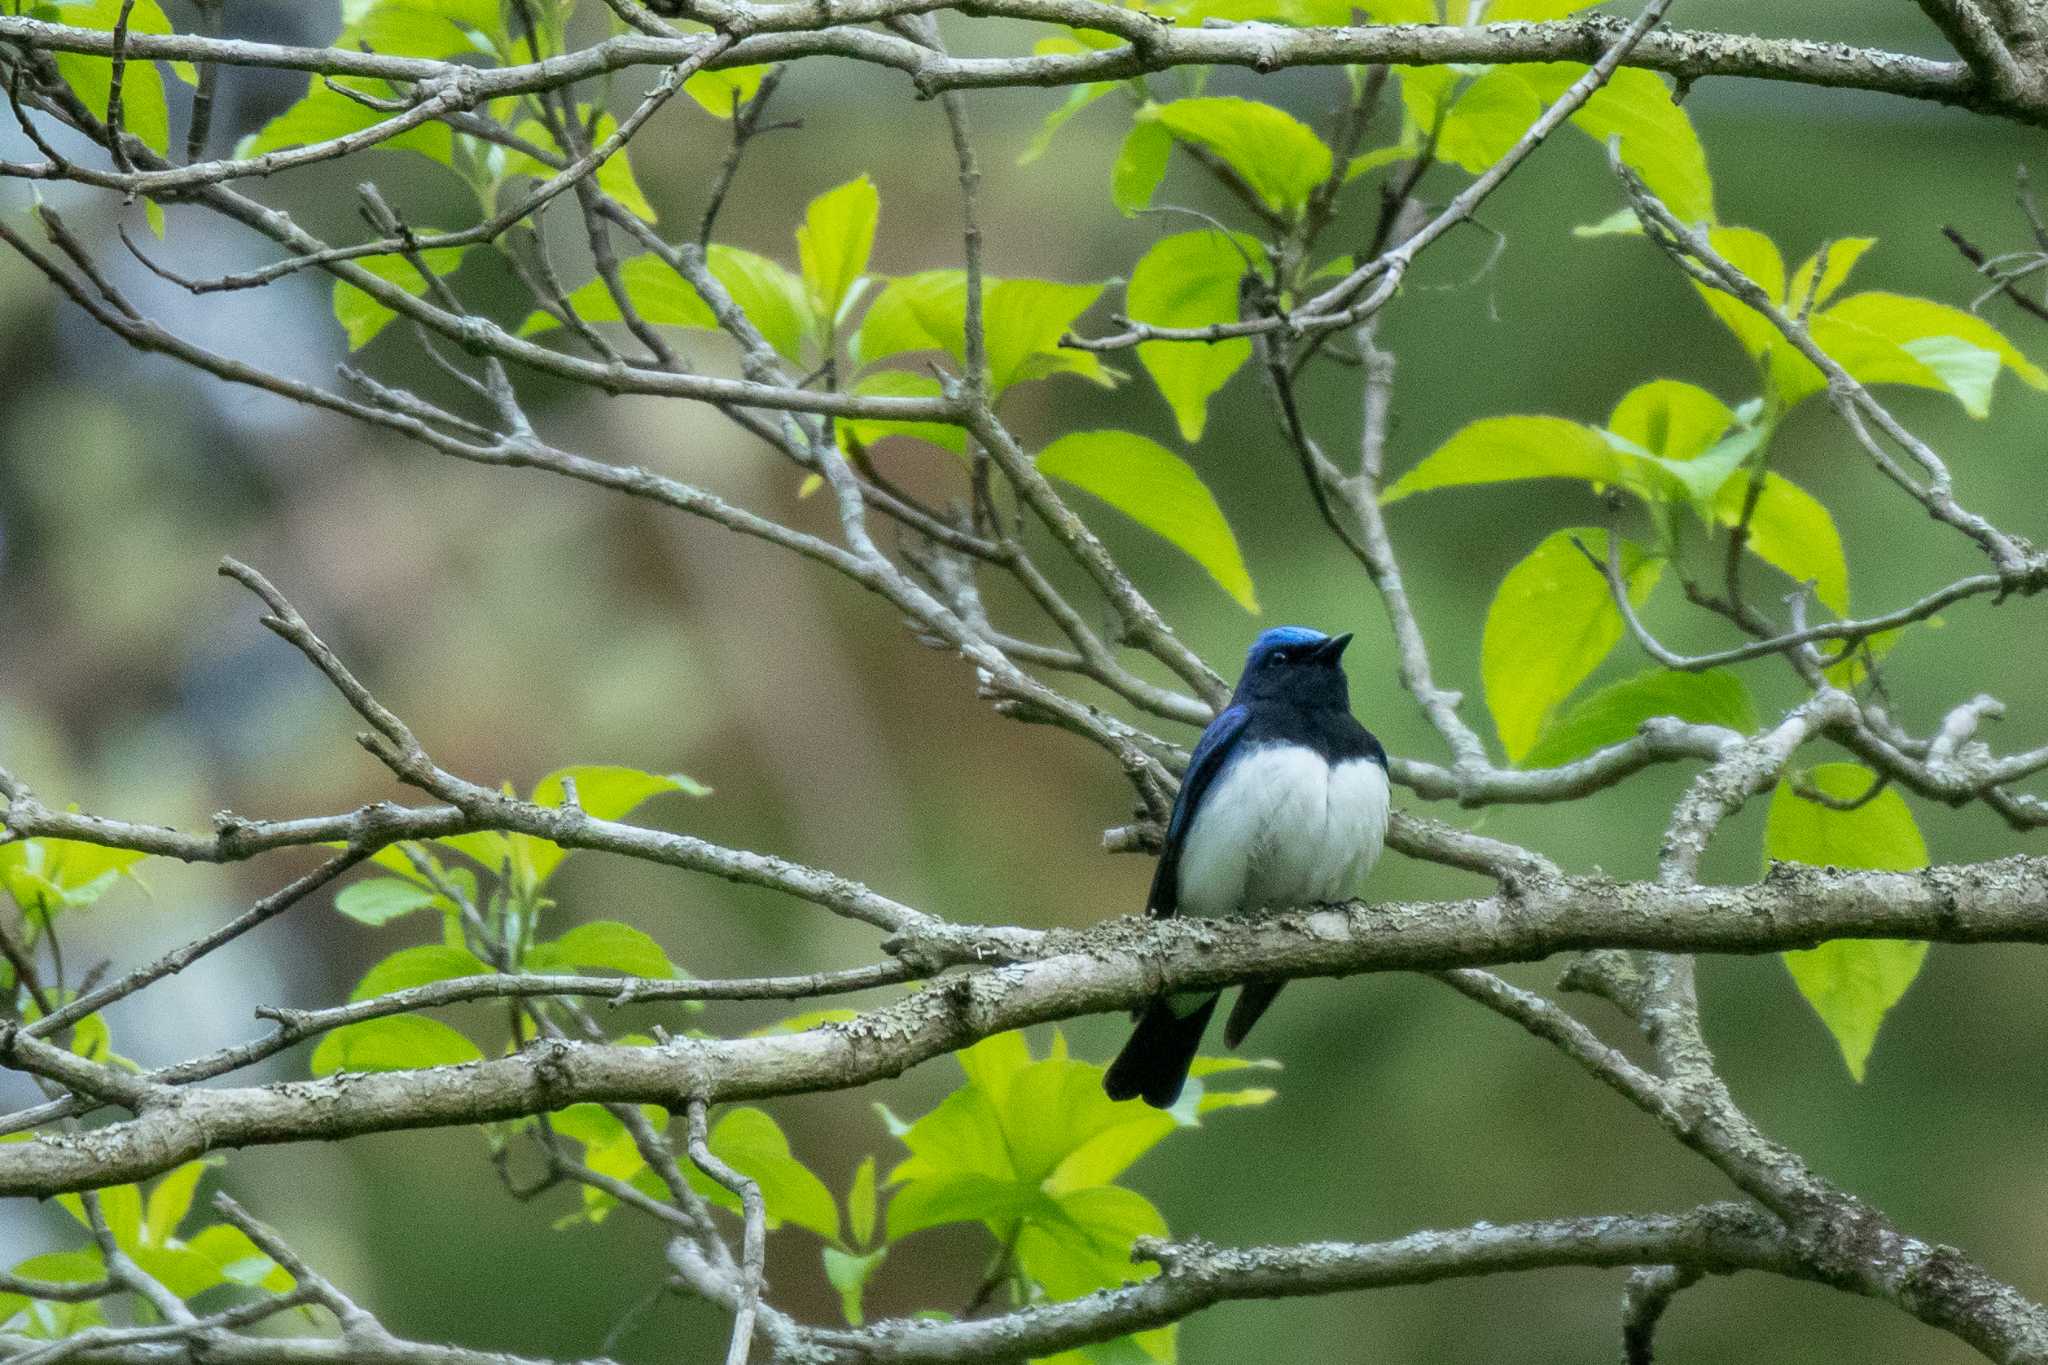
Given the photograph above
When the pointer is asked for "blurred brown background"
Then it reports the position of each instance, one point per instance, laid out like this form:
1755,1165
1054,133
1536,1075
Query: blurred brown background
520,623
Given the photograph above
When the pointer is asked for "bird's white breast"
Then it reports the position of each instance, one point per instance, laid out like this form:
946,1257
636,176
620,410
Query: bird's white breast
1283,827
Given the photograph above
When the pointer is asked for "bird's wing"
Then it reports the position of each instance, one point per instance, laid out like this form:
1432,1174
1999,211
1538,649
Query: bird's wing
1211,753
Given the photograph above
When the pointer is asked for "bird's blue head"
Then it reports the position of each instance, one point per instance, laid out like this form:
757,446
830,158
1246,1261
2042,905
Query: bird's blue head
1297,665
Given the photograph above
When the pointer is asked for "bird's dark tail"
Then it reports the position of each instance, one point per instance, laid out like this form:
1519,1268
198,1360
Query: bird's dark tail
1252,1001
1154,1064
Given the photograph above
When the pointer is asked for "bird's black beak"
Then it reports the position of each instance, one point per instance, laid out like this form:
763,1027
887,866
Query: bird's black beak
1333,649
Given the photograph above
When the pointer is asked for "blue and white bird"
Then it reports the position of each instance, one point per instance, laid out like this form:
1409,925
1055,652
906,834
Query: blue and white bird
1284,804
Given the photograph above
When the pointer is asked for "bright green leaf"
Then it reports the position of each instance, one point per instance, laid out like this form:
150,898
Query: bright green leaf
752,1143
362,316
322,114
1908,322
1504,449
421,28
1024,321
724,91
609,792
1192,279
1616,712
169,1201
1792,531
1275,154
1671,418
1532,11
772,298
901,384
1488,117
834,242
409,967
1756,256
914,313
1551,623
1140,166
382,899
399,1042
965,1197
614,175
1824,272
608,945
1657,139
850,1275
659,295
240,1260
1851,983
1156,488
144,110
179,1269
860,1203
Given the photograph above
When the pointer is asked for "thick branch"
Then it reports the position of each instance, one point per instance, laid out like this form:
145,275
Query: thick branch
1110,967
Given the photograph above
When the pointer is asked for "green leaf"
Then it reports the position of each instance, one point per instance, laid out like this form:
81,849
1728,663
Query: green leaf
659,295
1367,162
1671,418
179,1269
1505,449
240,1260
1275,154
1191,279
362,316
609,792
860,1203
849,1275
1089,1246
614,176
422,28
144,110
1824,272
966,1197
409,967
1488,117
486,847
1616,712
608,945
1657,139
723,91
399,1042
1551,624
323,114
1078,98
752,1143
1140,166
1024,321
169,1202
382,899
51,875
1756,256
1156,488
1850,983
834,243
914,313
605,792
773,298
1533,11
1792,531
901,384
1960,350
120,1206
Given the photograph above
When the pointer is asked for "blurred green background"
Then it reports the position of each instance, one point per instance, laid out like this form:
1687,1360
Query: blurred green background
520,624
